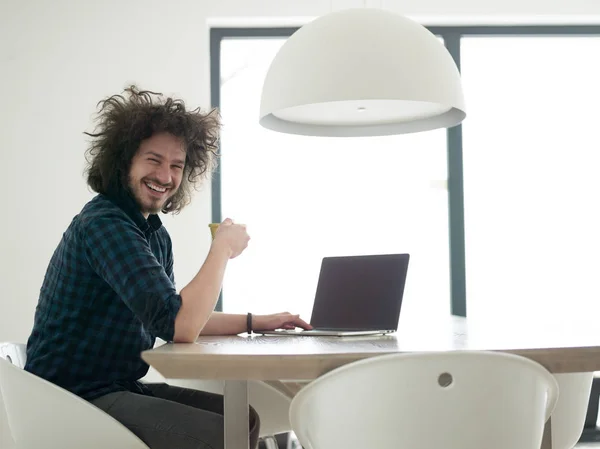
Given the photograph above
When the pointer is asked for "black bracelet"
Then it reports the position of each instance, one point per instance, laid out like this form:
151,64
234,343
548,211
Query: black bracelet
249,323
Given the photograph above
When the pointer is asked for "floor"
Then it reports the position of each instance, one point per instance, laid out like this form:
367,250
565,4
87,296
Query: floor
295,445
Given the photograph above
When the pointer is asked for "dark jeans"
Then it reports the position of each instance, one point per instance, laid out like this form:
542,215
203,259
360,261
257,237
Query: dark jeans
176,418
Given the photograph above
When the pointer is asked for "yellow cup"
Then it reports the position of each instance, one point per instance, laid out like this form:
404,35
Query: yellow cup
213,229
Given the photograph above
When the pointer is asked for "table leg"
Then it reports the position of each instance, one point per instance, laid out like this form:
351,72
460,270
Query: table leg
547,437
236,414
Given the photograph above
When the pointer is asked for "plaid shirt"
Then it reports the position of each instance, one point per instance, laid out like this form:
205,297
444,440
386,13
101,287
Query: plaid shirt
108,293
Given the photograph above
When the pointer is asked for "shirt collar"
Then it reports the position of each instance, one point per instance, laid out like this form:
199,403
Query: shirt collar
125,201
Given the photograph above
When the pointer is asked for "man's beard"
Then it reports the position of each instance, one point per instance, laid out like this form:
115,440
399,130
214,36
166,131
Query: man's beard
151,207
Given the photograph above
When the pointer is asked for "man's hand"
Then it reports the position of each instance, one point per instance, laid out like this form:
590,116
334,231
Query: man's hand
231,237
278,321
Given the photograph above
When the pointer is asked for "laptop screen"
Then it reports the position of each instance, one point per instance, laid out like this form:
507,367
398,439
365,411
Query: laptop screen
360,292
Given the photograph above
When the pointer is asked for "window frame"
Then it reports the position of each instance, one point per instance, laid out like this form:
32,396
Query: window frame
451,36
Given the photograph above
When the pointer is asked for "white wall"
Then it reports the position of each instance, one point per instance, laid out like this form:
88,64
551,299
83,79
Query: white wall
57,59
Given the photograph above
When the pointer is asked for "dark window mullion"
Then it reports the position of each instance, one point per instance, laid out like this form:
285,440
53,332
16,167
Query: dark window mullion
456,212
216,35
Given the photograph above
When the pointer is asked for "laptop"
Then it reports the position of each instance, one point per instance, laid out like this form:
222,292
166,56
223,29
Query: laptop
357,295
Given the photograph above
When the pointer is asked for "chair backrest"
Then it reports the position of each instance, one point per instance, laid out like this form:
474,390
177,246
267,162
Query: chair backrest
16,353
41,414
568,417
450,400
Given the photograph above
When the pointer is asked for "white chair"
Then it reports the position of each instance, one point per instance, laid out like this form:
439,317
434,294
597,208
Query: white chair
43,415
16,353
450,400
271,404
568,417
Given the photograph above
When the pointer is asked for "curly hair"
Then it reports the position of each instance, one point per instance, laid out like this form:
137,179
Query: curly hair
124,121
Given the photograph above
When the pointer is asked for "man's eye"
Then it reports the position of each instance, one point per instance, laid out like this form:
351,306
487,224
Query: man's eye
153,160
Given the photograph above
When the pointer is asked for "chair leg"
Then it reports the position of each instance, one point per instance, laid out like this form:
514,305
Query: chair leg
270,442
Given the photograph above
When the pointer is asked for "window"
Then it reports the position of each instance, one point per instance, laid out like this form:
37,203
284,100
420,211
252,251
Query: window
531,176
304,198
529,157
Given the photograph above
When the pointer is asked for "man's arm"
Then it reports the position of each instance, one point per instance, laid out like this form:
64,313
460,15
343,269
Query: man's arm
224,324
231,324
199,297
118,251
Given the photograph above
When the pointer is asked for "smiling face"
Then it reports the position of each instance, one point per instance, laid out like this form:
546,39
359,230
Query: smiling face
156,172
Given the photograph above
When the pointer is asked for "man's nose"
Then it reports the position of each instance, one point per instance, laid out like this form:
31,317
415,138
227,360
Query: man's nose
163,174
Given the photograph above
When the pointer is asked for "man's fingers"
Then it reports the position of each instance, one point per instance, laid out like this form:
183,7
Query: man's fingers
301,323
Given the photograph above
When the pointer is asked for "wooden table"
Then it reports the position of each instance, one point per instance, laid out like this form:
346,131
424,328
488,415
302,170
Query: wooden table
560,347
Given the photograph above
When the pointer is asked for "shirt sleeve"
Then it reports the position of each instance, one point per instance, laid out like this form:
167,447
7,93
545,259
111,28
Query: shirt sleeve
119,253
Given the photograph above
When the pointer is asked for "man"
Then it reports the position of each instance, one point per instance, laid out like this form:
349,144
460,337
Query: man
109,290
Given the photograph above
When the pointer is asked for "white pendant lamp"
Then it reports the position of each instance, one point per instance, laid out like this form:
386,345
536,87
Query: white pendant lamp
361,72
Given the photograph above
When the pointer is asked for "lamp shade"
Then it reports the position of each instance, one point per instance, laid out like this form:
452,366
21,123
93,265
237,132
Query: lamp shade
361,72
